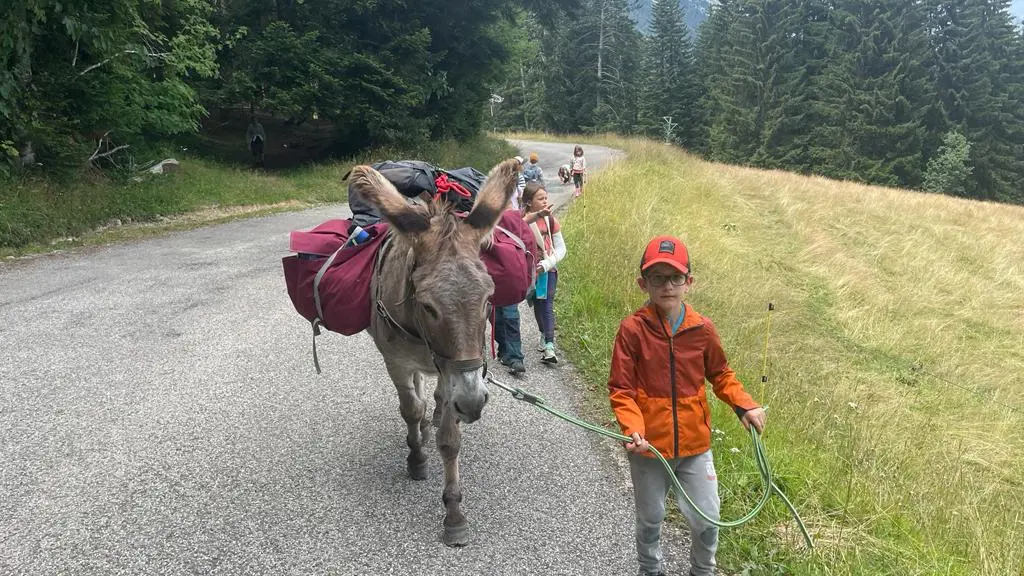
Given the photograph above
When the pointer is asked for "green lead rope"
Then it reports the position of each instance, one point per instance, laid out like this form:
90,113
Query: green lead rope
759,458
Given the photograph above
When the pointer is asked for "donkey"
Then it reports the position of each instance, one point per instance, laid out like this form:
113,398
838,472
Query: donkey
430,309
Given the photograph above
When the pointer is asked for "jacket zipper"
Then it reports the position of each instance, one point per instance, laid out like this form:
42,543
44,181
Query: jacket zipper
672,382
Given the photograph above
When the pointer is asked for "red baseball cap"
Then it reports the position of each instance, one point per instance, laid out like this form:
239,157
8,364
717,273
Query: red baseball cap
666,250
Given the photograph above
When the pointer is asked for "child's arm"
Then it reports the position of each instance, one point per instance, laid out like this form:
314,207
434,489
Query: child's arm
622,384
716,369
558,245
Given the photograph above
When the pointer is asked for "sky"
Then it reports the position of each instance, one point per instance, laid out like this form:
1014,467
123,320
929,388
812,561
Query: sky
1018,9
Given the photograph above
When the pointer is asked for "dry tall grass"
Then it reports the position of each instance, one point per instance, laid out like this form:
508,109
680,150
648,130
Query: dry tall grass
896,359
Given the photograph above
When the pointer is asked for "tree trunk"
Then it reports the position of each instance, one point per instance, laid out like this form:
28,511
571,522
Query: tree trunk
600,54
522,82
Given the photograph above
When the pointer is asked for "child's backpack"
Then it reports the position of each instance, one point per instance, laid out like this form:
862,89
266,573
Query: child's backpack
508,261
532,173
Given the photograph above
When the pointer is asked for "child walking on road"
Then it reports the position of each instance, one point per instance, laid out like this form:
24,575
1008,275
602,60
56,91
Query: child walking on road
578,169
547,232
506,318
662,356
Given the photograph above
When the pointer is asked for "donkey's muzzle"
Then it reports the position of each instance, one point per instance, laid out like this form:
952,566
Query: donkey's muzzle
468,416
468,395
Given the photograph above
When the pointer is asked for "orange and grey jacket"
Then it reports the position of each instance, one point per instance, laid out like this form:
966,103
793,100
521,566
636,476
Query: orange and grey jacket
656,385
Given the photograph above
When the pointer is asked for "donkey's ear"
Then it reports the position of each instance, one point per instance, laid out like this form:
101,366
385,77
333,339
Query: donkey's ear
378,191
491,201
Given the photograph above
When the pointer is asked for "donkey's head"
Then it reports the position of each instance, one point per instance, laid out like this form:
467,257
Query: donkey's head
450,285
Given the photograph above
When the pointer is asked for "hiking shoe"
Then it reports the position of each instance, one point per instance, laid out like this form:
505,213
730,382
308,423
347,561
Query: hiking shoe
541,347
516,367
505,360
549,355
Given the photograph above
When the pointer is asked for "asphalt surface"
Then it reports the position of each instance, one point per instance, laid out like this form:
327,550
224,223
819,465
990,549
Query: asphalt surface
159,414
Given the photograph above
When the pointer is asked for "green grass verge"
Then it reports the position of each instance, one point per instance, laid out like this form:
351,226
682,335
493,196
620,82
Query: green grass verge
39,214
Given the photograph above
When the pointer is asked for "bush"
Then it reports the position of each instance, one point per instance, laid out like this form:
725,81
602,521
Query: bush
950,168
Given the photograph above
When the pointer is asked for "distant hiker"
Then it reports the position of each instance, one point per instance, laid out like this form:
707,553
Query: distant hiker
256,138
578,165
532,172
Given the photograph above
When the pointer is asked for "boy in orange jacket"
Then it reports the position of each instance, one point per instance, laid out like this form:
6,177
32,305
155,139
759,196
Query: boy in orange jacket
663,354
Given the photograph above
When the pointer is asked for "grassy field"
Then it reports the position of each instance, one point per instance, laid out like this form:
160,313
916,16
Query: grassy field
38,214
896,355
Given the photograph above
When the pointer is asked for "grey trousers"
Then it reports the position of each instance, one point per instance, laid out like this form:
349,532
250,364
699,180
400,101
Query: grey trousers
650,490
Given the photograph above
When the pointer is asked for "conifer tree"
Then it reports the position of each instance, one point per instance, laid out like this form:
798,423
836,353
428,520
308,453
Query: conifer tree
592,66
975,52
755,88
875,92
668,87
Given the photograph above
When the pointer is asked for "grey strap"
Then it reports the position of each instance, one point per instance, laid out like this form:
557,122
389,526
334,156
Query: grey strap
316,332
316,282
515,238
316,300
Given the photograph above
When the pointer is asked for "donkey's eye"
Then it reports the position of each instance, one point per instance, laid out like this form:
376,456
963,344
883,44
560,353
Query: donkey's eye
431,311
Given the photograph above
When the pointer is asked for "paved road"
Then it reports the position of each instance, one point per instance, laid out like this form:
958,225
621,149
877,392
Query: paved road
159,414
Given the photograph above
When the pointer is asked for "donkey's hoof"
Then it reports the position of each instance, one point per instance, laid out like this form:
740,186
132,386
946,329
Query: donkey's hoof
456,536
417,467
417,471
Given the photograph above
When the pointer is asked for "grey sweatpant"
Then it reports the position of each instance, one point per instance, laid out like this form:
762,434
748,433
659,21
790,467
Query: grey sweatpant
650,490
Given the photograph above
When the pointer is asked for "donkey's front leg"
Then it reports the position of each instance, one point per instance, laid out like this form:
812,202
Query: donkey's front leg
449,441
413,408
438,404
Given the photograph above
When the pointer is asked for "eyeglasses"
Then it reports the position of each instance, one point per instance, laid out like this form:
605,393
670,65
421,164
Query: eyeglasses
659,280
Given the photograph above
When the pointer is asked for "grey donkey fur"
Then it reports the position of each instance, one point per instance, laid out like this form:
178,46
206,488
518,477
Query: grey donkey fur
432,283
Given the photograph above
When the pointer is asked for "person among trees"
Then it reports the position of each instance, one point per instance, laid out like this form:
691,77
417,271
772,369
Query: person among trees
547,234
578,168
662,355
533,172
256,138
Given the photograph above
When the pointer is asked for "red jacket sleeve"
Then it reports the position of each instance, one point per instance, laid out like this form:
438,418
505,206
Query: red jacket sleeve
622,382
724,382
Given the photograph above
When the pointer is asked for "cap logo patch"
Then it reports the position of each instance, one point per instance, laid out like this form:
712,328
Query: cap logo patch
667,247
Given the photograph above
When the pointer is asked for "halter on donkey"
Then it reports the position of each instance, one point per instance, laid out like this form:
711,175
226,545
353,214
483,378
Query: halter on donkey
430,309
